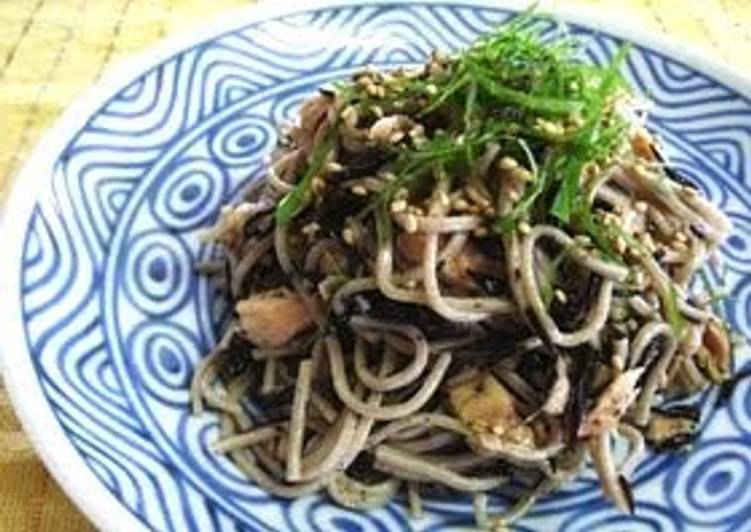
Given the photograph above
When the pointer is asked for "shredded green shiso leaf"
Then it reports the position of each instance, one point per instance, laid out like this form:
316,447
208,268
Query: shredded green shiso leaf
524,86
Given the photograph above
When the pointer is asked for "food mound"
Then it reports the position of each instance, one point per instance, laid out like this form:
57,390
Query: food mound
467,277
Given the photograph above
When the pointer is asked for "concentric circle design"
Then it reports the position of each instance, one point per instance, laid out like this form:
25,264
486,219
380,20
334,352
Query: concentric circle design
241,140
740,403
711,486
737,248
158,275
312,513
111,303
163,358
602,518
190,195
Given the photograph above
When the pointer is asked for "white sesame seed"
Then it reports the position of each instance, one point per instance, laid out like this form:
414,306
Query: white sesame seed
388,176
560,295
508,163
349,115
443,200
318,184
348,235
620,245
460,204
522,174
359,190
398,206
410,223
418,131
640,206
396,137
311,228
431,89
524,228
334,166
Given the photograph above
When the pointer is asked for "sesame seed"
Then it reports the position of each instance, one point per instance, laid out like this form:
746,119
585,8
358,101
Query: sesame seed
334,166
398,206
443,200
310,228
522,174
681,236
348,235
359,190
620,245
640,206
396,137
431,89
349,115
372,90
560,295
410,223
388,176
477,197
411,284
679,246
508,163
417,131
318,184
460,204
377,111
524,228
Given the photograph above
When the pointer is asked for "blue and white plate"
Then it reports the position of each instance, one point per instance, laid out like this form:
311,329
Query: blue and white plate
104,320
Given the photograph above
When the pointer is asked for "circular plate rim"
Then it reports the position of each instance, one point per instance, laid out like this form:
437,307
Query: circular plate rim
58,454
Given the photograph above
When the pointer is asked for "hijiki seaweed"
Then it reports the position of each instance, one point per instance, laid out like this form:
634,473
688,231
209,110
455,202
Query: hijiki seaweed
463,276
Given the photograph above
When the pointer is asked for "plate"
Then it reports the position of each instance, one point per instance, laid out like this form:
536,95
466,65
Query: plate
105,320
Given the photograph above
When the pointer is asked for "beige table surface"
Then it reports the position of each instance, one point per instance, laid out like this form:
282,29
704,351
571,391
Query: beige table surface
50,50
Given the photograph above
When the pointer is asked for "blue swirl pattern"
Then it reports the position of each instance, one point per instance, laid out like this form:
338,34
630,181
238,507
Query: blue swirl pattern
116,320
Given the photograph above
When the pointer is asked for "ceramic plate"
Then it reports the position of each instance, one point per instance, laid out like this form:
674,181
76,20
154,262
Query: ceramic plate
104,319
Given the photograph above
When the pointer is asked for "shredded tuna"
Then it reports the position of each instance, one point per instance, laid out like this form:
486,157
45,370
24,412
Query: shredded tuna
273,318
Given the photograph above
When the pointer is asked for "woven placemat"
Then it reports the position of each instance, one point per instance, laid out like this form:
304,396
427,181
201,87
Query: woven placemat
50,50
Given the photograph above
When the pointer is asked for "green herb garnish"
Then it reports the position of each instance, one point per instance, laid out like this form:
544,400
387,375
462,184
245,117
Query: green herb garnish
291,204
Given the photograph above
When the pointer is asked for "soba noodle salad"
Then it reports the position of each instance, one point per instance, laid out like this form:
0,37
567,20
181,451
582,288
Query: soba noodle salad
473,277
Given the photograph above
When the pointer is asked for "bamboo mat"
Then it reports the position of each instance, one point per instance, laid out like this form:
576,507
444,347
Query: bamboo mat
50,50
